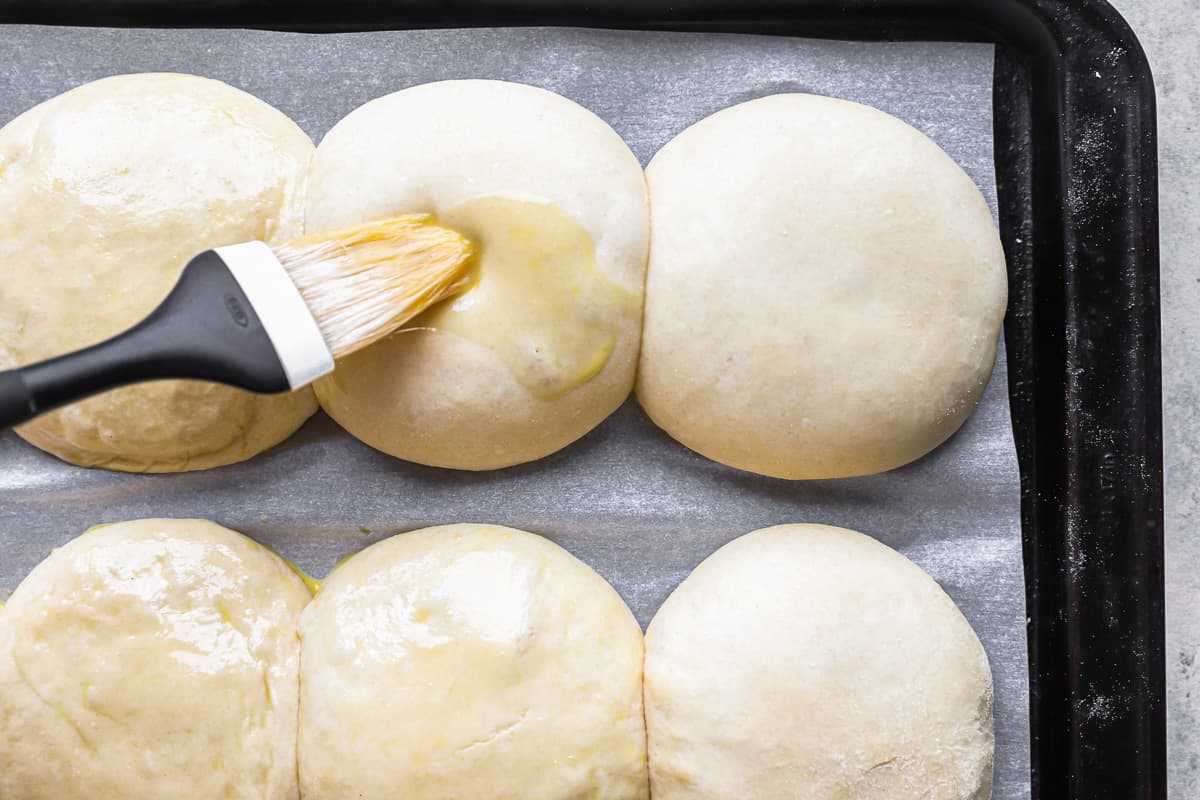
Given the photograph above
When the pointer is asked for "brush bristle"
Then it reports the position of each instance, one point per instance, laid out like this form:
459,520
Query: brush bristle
362,283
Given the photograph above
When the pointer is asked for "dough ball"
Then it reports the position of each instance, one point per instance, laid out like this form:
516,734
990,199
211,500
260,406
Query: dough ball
805,662
470,662
152,660
825,291
544,346
105,193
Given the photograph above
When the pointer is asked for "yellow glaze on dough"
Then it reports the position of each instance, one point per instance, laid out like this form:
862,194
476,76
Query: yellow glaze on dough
152,660
539,300
105,193
545,347
472,662
313,584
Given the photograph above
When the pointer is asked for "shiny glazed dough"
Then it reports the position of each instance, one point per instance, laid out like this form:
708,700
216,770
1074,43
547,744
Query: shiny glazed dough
470,662
806,662
825,290
152,660
105,193
441,398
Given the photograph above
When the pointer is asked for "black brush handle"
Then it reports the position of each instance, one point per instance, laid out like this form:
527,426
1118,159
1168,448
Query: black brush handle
205,329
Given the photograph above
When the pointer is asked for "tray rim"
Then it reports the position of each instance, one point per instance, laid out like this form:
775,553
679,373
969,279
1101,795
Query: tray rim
1092,506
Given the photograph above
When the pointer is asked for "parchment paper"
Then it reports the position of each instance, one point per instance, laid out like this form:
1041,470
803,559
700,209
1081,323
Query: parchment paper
629,501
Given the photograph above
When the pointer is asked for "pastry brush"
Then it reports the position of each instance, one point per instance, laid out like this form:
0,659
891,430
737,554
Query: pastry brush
266,319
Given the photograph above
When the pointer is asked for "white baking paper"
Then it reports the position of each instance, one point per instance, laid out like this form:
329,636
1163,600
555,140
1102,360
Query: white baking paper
629,501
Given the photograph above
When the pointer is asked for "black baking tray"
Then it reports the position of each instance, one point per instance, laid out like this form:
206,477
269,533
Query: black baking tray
1076,168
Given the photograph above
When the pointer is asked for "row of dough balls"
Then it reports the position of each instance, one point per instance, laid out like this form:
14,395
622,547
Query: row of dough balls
179,660
824,295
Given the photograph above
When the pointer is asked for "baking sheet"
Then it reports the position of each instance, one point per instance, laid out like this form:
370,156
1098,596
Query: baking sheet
638,507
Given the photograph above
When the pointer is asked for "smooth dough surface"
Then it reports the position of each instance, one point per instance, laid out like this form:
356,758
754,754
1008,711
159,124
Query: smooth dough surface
469,662
825,291
806,662
434,396
106,191
152,660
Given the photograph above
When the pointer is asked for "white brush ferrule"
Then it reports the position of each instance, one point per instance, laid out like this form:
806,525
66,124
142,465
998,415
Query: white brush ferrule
281,309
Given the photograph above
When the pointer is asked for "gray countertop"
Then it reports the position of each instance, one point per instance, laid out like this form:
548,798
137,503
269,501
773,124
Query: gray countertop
1170,32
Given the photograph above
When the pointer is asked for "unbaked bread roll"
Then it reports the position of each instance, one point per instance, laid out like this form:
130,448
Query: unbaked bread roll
545,345
152,660
804,662
470,662
825,290
105,193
